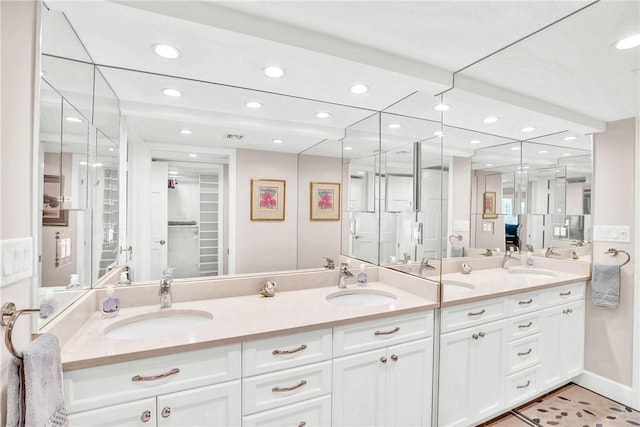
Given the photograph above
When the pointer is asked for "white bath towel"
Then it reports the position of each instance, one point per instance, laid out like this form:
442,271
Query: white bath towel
34,389
456,251
605,285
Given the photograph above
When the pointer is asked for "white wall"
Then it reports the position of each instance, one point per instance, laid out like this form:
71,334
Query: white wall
18,38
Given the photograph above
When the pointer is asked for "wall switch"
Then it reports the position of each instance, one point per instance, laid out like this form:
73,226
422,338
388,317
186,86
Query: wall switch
16,261
461,225
612,233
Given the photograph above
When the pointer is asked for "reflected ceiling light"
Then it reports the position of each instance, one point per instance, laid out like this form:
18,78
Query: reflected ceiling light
360,172
475,141
526,167
253,104
395,126
359,89
629,42
569,138
166,51
277,141
323,115
489,165
543,151
112,149
97,165
73,119
193,155
83,163
173,172
273,71
527,129
514,148
172,92
186,131
348,148
490,119
566,154
442,107
438,133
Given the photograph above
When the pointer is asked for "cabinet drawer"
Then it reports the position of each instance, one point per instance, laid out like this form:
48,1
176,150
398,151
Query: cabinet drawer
522,386
522,326
524,303
310,413
281,388
107,385
465,315
523,353
126,414
283,352
563,294
350,339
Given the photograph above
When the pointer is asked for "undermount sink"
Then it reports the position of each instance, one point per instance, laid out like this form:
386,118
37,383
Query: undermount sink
158,324
533,274
361,298
452,287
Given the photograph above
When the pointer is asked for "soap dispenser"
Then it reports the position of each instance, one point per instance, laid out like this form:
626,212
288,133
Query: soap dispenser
124,279
110,304
362,277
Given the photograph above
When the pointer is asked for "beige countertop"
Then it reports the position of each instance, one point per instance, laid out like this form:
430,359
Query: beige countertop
235,319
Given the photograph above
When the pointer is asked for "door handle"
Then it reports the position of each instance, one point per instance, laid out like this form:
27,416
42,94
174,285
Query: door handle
162,242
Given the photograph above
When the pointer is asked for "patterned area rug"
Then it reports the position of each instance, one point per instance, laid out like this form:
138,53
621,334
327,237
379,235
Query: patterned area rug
575,406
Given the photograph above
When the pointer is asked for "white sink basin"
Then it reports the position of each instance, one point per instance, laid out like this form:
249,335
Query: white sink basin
533,274
361,298
452,287
158,324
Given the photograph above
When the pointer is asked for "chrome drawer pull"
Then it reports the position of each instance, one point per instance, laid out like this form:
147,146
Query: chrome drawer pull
302,424
564,294
295,350
477,313
529,301
155,377
524,353
294,387
393,331
524,386
526,326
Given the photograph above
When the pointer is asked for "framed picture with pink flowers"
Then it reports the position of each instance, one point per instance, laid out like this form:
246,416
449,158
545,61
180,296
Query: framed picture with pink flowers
267,199
325,201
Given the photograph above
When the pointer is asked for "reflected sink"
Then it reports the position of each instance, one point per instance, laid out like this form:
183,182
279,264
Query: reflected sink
158,324
451,287
533,274
361,298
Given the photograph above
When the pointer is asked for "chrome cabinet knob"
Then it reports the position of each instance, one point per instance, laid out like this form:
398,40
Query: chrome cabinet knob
146,416
166,412
383,359
394,357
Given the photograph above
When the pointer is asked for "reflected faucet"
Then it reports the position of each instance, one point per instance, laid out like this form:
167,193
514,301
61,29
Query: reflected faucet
424,265
508,256
165,288
328,263
551,253
489,252
345,275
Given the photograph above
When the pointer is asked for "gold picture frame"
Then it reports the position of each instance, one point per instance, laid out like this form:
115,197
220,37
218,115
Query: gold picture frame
268,197
52,212
325,201
489,205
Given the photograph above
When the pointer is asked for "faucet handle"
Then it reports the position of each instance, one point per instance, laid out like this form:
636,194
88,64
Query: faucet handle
329,263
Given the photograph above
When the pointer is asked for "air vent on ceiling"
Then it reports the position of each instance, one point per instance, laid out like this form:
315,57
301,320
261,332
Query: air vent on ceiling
234,137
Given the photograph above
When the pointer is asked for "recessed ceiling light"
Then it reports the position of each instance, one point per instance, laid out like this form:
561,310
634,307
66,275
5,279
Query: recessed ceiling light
514,148
566,154
527,129
629,42
193,155
489,165
395,126
277,141
442,107
569,138
526,167
253,104
112,149
490,119
273,71
323,115
359,89
348,148
172,92
166,51
173,172
73,119
438,133
98,165
475,141
83,163
186,131
360,172
543,151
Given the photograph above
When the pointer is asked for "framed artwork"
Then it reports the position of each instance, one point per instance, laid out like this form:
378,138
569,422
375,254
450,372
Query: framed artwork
325,201
489,205
52,214
268,199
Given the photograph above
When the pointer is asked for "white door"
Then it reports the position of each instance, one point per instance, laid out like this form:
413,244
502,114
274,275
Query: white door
216,405
572,339
136,413
431,215
358,389
409,372
159,221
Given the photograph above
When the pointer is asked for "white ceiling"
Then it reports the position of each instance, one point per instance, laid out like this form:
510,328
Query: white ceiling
564,80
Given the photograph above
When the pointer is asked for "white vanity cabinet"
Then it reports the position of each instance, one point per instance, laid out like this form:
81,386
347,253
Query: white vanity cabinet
382,372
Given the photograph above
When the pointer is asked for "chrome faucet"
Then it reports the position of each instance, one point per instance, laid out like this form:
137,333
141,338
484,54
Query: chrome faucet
488,252
345,275
329,264
424,265
550,253
165,289
508,256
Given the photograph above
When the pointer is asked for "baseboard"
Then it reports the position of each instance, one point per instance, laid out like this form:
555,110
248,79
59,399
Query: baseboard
613,390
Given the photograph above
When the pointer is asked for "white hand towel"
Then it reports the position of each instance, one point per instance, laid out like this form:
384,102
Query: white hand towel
456,251
605,285
34,390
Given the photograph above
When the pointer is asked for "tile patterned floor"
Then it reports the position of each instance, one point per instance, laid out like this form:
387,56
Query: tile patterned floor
570,406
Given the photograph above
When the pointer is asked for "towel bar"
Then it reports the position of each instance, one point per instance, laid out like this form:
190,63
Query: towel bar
458,237
615,252
9,310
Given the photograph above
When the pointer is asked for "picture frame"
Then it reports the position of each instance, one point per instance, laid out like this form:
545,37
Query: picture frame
489,205
268,198
52,214
325,201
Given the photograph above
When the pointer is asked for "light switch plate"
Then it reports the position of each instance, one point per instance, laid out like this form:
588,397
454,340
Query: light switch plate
612,233
15,260
461,225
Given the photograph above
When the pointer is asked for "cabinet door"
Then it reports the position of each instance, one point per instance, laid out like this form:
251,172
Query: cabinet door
408,384
358,389
572,340
137,413
488,370
551,325
217,405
